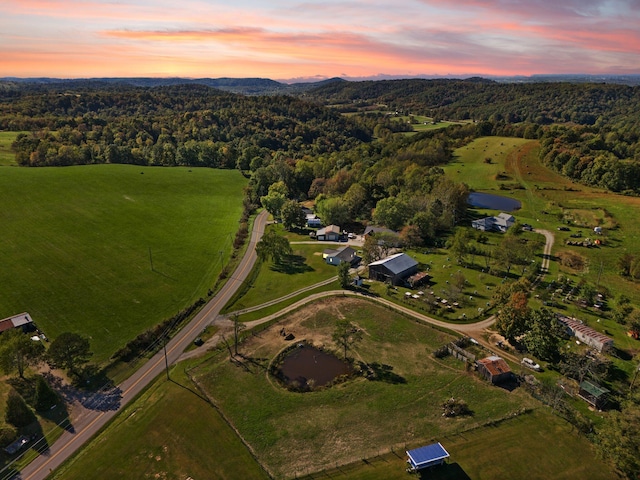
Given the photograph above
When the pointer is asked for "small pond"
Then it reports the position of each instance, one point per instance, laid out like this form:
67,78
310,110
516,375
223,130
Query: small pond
307,367
493,202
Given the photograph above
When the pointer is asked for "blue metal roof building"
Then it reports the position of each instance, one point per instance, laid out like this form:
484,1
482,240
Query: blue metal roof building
427,456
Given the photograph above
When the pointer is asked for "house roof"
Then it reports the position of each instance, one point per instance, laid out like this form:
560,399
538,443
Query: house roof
397,263
578,326
372,229
426,455
343,253
495,365
329,229
15,321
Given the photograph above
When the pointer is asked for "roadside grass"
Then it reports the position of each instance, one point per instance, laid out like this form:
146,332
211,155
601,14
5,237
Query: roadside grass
270,281
7,157
111,250
536,445
357,419
169,431
273,309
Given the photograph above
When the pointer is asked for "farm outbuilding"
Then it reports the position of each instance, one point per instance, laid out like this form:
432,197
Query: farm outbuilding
394,269
427,456
22,320
593,394
494,369
585,334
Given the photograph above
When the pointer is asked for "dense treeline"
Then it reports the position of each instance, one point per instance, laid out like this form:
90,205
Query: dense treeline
179,125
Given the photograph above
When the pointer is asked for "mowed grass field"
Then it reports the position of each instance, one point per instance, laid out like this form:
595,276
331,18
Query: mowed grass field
354,430
7,157
110,250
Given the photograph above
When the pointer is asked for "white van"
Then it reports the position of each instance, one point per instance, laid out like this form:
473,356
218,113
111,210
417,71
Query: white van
527,362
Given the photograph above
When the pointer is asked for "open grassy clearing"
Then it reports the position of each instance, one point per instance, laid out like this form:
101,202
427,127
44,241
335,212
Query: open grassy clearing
110,250
538,445
168,432
357,419
469,164
7,157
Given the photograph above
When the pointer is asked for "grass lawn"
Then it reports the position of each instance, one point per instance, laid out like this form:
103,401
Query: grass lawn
292,433
274,281
110,250
168,432
7,157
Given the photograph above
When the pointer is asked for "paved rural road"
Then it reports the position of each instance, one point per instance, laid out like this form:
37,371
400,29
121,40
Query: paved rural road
91,421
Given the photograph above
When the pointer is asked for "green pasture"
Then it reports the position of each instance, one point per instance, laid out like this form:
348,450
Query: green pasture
7,157
360,418
110,250
170,431
534,445
469,164
550,200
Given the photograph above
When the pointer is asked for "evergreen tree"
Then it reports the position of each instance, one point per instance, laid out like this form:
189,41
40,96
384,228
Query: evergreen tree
17,412
45,396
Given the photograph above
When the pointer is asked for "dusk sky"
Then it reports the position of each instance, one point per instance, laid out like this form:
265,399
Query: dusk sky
292,40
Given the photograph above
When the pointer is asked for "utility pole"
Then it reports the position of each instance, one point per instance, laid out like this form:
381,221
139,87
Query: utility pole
166,361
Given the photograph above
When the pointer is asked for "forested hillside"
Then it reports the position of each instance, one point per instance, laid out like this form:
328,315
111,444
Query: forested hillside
591,132
177,125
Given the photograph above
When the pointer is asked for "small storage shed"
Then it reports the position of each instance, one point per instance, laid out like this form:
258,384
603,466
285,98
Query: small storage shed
494,369
428,456
593,394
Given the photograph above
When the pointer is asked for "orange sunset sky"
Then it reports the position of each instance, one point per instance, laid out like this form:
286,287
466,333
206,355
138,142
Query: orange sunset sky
294,40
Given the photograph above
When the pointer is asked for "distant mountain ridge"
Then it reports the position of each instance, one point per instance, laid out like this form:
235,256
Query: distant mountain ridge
266,86
245,86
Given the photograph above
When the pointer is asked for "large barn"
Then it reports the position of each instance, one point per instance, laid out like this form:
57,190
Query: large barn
394,269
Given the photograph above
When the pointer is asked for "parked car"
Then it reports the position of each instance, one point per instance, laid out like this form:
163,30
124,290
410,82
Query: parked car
527,362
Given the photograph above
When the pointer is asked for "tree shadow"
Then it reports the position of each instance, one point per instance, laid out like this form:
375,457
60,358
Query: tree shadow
378,372
292,264
107,398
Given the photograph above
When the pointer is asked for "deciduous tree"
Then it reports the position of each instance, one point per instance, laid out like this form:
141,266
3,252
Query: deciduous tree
346,335
69,351
273,246
18,351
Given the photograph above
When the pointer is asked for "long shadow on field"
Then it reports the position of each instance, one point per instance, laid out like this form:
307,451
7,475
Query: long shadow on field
448,471
197,394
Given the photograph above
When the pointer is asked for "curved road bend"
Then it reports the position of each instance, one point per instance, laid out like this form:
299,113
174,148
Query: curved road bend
91,421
